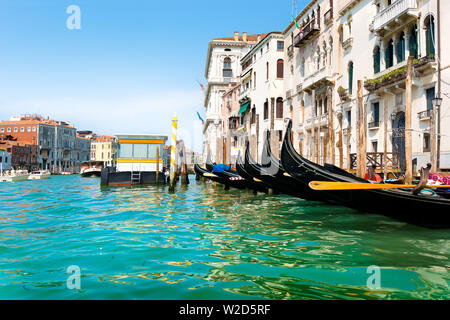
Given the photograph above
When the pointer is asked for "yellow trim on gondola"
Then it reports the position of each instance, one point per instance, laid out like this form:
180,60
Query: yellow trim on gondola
141,141
138,160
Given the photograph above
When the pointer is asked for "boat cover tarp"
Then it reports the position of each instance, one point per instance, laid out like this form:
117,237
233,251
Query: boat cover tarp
221,168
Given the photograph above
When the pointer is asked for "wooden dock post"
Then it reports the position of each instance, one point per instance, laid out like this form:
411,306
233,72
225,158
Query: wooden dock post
385,170
157,164
331,144
184,171
362,143
408,139
173,166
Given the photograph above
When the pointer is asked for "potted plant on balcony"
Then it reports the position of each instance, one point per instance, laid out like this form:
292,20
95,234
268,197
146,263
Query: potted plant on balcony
343,93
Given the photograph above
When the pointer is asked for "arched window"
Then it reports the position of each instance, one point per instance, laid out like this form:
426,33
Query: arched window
401,48
227,72
413,42
376,59
279,108
429,35
280,68
350,77
389,54
267,70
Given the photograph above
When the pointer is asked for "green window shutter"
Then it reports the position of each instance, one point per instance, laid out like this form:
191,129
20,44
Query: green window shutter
376,61
350,78
413,45
429,36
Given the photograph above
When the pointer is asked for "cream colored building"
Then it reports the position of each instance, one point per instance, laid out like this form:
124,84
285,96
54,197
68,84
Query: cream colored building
261,95
340,43
104,148
222,69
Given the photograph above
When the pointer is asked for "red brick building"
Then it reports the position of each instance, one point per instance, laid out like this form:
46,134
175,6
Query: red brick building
23,155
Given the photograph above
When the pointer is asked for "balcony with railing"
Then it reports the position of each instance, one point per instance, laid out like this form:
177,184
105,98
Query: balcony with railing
288,94
328,16
310,29
392,160
425,115
394,14
374,125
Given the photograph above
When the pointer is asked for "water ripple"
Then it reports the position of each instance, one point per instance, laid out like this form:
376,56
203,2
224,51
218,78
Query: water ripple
206,243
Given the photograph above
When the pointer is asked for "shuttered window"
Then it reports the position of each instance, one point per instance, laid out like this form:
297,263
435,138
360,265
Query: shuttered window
350,77
429,25
401,48
376,60
389,54
413,43
279,108
280,68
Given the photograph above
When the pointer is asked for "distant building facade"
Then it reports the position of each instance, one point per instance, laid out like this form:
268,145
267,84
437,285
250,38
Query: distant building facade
104,148
5,159
222,68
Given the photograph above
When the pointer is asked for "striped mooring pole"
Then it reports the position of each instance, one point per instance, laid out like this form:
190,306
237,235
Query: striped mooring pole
173,165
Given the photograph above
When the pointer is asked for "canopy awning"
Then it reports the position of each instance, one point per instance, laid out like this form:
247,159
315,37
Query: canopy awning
243,108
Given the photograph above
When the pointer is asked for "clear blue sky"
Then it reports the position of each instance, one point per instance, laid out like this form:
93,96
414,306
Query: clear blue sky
130,67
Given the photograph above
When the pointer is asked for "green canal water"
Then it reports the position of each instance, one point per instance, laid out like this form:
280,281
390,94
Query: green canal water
206,243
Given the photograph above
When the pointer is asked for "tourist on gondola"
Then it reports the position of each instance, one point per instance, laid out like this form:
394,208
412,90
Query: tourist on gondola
371,175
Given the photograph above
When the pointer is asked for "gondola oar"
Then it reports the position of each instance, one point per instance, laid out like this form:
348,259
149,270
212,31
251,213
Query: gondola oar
331,185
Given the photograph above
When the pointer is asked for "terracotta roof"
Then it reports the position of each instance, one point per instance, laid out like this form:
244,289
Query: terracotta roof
104,139
80,137
34,121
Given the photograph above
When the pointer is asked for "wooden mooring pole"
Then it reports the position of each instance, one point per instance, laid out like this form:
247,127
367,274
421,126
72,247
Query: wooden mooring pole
362,143
157,164
408,138
173,166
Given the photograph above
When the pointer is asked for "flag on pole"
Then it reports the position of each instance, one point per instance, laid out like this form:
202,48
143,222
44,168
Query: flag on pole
296,25
201,85
198,114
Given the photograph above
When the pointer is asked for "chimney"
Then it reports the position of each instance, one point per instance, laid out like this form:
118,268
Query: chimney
244,36
236,36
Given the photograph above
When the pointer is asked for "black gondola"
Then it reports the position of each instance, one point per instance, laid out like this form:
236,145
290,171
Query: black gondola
254,185
229,178
401,204
272,173
200,171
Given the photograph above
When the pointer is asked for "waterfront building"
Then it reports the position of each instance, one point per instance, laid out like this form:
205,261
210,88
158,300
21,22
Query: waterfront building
222,69
232,124
55,140
139,161
83,151
387,32
5,159
328,49
137,152
309,83
23,155
261,96
104,148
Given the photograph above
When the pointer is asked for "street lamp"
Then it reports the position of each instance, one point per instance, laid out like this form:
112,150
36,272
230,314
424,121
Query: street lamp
436,102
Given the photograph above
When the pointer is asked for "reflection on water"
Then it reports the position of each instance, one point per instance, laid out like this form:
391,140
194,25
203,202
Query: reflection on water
205,243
